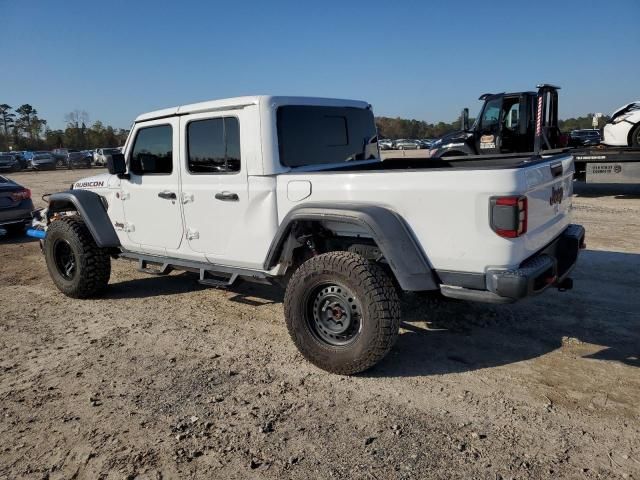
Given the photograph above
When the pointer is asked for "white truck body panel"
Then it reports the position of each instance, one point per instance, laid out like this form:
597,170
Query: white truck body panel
447,210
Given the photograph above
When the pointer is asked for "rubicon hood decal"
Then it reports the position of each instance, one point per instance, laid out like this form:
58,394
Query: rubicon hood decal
98,181
89,184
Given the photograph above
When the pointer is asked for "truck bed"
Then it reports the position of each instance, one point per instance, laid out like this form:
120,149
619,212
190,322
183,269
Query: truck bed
445,203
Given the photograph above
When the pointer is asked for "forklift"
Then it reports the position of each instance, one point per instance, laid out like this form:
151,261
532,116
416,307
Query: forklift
507,124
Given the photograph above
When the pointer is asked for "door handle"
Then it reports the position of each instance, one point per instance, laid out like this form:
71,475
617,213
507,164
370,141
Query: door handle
227,196
167,195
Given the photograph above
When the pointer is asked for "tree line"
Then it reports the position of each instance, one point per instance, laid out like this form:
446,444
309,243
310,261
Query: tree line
405,128
22,128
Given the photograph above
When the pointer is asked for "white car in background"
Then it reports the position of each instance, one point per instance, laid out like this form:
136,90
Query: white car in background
623,128
101,155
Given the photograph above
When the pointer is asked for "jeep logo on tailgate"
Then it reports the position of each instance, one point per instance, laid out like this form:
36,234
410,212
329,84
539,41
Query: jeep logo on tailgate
556,195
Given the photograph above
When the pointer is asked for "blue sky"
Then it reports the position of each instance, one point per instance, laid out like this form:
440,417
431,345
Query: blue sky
414,59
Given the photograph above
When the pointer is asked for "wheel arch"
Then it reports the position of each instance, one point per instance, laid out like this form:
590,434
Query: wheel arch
385,227
632,132
92,211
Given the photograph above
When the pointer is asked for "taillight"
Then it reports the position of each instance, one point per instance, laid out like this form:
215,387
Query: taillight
23,194
508,216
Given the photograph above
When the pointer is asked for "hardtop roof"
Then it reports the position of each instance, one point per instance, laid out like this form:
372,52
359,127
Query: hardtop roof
241,102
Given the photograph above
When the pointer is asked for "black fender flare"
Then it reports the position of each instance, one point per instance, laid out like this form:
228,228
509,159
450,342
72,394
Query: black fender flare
90,207
396,242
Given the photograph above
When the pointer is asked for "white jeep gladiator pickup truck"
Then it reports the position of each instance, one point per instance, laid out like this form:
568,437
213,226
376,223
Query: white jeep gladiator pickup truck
292,190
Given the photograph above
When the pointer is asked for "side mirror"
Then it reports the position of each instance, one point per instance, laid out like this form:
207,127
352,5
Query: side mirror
465,120
116,164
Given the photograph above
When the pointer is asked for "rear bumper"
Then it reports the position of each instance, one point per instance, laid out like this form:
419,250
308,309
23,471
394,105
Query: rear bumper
18,214
549,267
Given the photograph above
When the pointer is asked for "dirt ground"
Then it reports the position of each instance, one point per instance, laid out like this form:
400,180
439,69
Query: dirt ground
163,378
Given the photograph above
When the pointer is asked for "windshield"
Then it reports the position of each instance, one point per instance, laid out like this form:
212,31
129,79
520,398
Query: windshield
310,135
110,151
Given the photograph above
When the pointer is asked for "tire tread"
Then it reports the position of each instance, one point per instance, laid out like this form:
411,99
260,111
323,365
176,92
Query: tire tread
380,301
94,264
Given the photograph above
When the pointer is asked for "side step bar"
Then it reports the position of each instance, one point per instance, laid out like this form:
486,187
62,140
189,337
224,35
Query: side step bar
218,276
143,266
215,280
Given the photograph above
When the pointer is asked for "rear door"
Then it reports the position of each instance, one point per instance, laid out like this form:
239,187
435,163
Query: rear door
214,182
150,195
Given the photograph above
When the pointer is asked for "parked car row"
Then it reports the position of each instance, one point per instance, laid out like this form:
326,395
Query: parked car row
58,158
101,155
73,158
404,144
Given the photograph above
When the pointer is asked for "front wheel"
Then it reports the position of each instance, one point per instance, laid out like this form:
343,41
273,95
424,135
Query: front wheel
342,312
78,267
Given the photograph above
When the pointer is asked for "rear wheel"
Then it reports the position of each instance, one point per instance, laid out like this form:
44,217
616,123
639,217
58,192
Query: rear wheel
78,267
635,136
342,312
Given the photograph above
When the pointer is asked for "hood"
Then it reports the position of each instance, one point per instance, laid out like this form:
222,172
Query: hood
95,182
626,109
459,136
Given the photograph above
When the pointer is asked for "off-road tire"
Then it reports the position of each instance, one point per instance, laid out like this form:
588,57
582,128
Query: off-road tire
92,263
379,321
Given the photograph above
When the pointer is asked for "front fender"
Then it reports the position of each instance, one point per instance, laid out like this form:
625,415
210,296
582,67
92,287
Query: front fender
90,207
387,228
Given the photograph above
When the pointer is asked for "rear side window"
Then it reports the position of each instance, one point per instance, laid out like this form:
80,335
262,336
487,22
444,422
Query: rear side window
153,151
315,135
213,145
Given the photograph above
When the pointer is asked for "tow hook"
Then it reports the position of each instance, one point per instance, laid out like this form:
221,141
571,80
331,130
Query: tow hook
566,284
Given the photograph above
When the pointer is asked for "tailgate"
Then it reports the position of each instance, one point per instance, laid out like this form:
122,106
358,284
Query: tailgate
549,189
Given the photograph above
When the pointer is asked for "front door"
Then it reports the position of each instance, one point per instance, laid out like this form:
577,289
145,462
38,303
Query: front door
488,133
151,195
214,183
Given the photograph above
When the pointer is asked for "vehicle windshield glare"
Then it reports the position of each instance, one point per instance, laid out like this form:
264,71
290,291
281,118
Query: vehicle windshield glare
314,135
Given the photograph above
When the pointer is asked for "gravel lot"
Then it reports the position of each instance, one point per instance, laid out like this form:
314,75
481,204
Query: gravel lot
163,378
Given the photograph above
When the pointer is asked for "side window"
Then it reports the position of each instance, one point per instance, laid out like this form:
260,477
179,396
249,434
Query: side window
491,116
152,151
213,145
